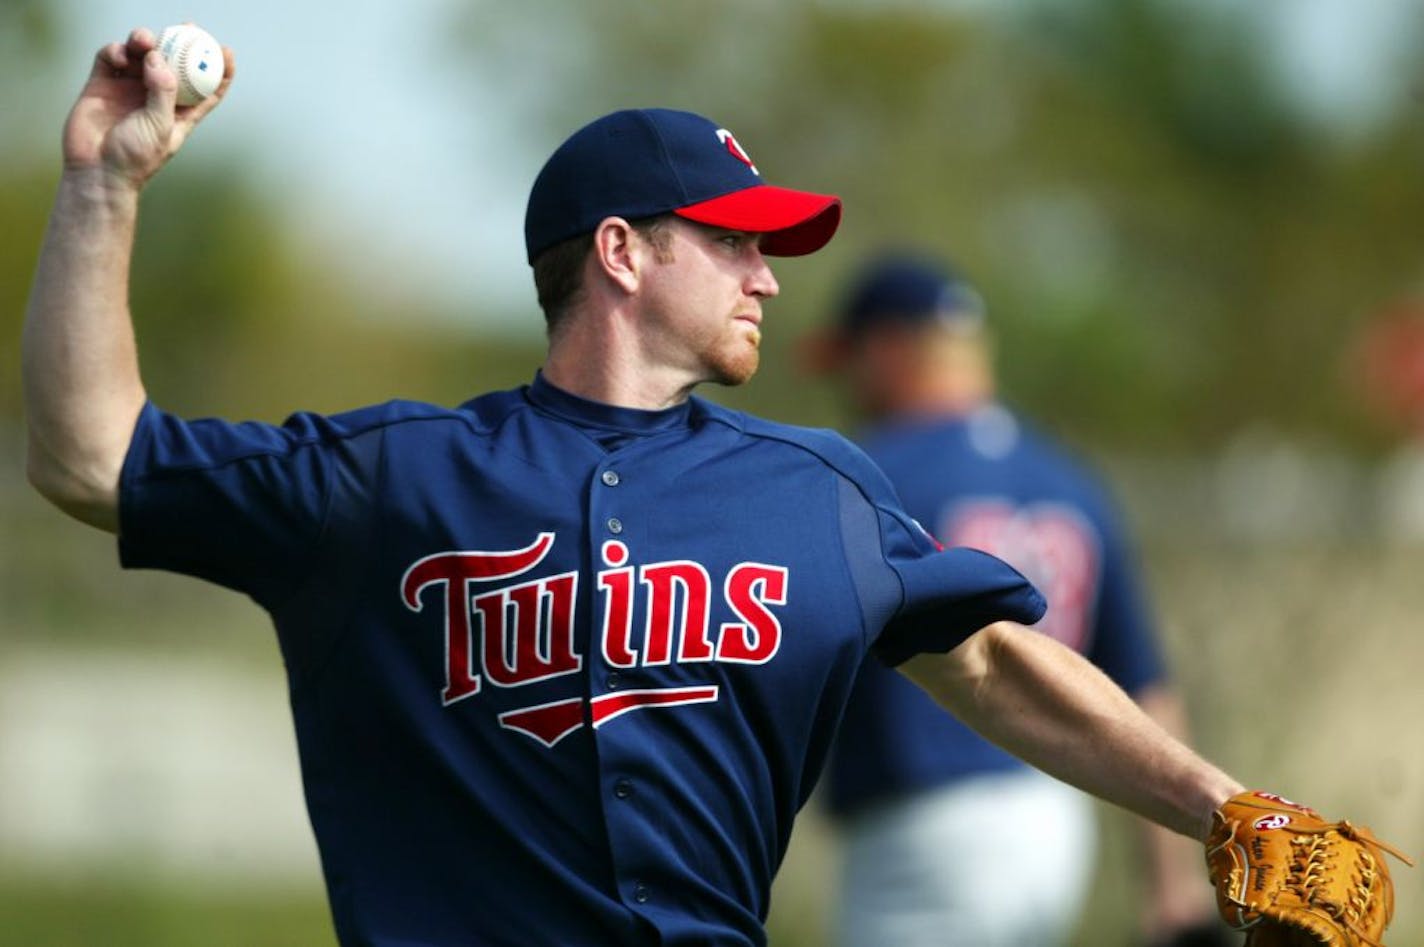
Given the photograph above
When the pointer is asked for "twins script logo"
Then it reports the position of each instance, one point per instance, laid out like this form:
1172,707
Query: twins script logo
507,635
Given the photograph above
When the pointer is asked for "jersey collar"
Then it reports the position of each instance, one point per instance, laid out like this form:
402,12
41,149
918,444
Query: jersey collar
596,414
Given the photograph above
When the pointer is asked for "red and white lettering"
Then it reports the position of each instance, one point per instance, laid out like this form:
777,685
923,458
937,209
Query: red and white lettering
456,570
735,148
750,588
548,723
608,706
537,642
617,587
679,597
526,631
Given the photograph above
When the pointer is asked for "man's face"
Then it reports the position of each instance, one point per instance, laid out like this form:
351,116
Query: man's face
896,367
882,361
702,302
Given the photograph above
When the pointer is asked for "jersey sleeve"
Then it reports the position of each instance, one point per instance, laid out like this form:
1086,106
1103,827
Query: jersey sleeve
917,596
242,505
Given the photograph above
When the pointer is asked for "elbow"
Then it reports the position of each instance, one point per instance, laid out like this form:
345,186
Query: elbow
74,457
957,679
89,496
982,652
43,476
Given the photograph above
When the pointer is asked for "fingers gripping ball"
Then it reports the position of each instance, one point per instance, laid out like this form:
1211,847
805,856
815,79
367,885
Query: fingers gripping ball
1291,879
197,59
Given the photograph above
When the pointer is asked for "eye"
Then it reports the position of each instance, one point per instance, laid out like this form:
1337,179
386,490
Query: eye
734,241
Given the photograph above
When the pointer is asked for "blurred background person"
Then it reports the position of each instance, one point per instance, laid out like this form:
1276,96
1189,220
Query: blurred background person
912,787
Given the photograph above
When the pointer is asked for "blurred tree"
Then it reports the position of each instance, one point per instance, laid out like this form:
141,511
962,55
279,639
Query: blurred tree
1169,249
24,202
1250,221
235,317
28,31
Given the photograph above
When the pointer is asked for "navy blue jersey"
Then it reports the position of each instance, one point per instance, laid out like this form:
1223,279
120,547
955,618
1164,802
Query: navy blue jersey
988,482
561,673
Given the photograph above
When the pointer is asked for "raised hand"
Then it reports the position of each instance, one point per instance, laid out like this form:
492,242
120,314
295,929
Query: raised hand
127,122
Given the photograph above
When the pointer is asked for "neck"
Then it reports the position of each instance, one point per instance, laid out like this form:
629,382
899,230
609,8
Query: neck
592,359
939,397
948,375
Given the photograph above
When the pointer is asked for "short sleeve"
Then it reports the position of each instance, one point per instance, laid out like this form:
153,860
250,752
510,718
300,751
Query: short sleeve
950,595
241,505
917,597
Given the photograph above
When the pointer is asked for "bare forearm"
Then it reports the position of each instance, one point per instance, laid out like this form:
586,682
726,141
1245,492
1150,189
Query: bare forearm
1051,707
83,391
1179,895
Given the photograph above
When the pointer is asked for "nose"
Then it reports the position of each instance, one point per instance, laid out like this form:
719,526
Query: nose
761,281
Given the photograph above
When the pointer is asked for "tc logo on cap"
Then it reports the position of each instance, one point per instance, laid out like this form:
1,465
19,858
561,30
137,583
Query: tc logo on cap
736,149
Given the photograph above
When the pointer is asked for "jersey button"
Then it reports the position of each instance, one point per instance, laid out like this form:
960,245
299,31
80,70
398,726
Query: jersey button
615,525
613,680
623,788
640,893
611,478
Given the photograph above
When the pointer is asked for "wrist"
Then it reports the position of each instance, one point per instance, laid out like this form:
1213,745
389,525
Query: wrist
99,187
100,180
1216,797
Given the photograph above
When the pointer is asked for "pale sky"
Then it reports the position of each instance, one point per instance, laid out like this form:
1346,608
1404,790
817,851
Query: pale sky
441,198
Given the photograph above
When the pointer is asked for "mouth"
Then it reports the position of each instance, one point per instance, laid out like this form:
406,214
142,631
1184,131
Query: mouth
752,320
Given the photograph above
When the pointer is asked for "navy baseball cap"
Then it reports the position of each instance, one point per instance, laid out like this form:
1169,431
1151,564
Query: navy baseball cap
909,289
644,162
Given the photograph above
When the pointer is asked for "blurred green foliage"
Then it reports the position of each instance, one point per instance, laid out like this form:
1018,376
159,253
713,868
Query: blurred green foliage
233,318
1170,251
87,912
28,30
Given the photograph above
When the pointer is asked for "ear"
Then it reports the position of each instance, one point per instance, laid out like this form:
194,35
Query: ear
615,252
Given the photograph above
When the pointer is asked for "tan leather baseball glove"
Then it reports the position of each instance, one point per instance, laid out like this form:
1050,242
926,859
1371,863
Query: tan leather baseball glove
1290,879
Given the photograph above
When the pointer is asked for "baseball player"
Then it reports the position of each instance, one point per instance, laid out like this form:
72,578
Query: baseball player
906,779
565,660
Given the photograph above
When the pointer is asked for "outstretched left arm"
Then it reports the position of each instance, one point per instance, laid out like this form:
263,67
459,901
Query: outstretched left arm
1054,709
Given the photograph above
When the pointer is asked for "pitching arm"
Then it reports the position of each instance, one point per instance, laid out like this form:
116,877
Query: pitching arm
83,392
1050,706
1178,898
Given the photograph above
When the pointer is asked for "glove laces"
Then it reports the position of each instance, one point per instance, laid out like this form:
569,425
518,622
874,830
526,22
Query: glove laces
1314,853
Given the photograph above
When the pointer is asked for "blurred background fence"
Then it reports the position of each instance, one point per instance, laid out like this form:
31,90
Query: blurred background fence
1197,225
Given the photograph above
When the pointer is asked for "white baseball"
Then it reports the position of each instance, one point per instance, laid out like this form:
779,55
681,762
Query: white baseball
196,57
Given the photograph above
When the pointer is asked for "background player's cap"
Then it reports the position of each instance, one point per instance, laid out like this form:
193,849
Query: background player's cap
908,289
644,162
895,288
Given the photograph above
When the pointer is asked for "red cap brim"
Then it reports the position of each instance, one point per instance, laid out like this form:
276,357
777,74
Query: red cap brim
795,222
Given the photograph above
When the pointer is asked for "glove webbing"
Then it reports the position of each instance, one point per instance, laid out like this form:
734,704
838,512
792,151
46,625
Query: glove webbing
1315,850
